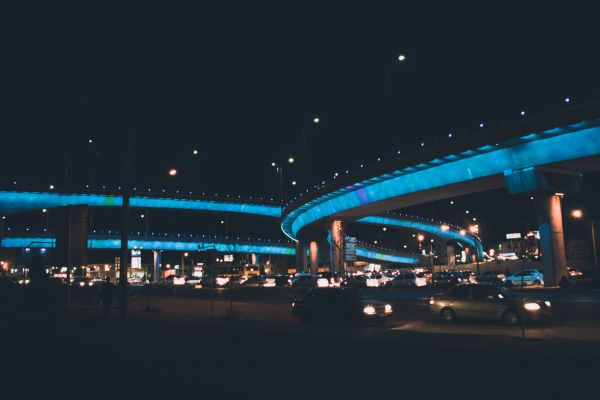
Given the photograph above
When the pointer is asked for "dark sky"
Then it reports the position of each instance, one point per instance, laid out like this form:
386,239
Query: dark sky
239,82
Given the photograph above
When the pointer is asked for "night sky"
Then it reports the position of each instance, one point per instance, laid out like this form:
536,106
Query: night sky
240,82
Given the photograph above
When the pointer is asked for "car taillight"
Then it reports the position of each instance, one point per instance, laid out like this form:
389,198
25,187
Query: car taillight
431,301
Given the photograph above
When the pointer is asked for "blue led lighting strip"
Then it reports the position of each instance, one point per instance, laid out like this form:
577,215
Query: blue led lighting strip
48,243
15,201
41,242
552,146
429,227
370,254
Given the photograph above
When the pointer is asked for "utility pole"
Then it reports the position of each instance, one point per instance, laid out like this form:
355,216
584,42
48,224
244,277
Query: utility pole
125,227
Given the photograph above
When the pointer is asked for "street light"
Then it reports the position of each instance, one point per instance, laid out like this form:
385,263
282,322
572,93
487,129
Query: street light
316,120
401,57
195,152
279,169
445,228
578,214
172,172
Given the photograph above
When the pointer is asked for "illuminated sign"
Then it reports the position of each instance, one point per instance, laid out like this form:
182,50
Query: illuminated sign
513,236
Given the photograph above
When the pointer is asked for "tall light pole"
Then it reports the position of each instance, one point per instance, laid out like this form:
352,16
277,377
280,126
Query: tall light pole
279,169
578,214
306,161
123,295
474,229
400,58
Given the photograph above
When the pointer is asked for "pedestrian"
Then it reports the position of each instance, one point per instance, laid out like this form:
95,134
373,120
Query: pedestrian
106,295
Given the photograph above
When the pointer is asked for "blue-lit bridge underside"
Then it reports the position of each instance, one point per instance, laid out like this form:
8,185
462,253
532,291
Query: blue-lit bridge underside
464,173
171,245
17,201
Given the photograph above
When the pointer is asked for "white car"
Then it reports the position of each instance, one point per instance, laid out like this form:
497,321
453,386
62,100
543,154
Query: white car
526,277
378,280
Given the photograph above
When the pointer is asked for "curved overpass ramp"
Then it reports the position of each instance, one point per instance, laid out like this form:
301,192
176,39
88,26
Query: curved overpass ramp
568,140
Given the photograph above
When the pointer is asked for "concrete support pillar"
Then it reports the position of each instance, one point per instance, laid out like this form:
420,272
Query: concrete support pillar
314,257
450,255
157,254
300,257
549,214
336,232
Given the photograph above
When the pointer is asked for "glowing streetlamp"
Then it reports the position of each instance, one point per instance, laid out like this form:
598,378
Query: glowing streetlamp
172,172
445,228
577,213
401,57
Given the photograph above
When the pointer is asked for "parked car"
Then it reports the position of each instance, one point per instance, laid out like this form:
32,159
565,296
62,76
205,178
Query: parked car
485,301
444,279
193,280
378,280
356,281
282,280
259,281
408,279
490,277
526,277
339,305
305,280
81,282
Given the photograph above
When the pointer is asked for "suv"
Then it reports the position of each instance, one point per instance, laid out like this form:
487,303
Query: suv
525,278
341,305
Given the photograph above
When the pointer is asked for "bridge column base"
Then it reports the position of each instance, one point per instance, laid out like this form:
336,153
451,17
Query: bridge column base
313,249
157,256
547,186
554,260
336,233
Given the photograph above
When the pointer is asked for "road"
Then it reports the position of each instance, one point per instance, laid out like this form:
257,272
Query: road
169,346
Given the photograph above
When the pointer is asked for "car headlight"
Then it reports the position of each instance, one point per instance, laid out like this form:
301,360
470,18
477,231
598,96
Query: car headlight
369,310
532,306
388,308
82,284
547,303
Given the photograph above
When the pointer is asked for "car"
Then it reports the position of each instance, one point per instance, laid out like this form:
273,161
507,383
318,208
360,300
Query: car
444,279
408,279
282,280
339,305
527,277
193,280
490,277
258,281
135,282
81,282
487,301
378,280
329,279
305,280
355,281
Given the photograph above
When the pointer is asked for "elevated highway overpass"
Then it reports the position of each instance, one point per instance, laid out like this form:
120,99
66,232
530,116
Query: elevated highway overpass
542,156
